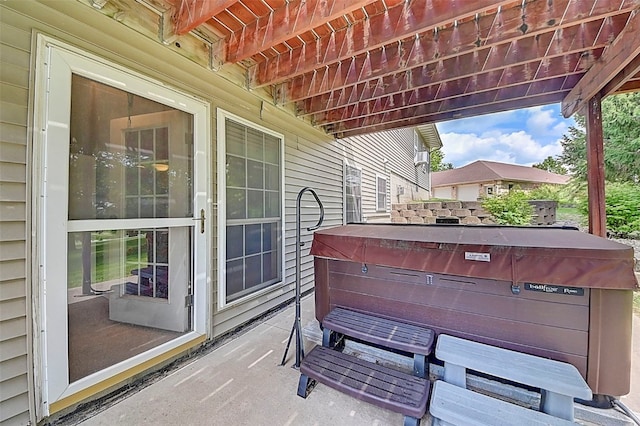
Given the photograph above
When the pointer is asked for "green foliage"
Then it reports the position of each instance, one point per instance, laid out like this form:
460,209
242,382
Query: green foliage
621,133
622,208
437,157
551,164
512,208
546,192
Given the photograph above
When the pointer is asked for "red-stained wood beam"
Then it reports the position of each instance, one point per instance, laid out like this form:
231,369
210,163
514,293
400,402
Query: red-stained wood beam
595,168
192,13
624,49
449,115
549,74
629,73
294,18
492,101
397,23
541,40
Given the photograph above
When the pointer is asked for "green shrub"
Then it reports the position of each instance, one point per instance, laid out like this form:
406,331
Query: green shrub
545,192
622,208
512,208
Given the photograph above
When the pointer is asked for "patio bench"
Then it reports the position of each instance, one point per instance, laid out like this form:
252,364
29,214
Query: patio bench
459,406
559,382
382,386
380,331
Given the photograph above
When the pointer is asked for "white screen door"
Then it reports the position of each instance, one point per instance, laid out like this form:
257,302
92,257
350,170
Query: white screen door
121,219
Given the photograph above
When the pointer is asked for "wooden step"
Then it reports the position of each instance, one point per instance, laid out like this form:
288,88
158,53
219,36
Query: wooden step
380,331
382,386
459,406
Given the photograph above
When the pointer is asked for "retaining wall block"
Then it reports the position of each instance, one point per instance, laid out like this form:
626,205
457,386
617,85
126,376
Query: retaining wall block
451,205
415,206
408,213
470,220
424,212
398,207
416,219
432,205
442,212
471,205
398,220
429,219
461,212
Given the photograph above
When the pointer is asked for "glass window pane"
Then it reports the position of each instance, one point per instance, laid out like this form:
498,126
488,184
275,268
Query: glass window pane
235,137
236,171
253,239
255,204
267,235
255,149
122,154
235,241
270,266
255,174
272,177
235,276
236,204
253,274
272,204
271,149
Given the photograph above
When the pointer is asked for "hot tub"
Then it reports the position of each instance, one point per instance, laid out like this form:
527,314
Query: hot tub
552,292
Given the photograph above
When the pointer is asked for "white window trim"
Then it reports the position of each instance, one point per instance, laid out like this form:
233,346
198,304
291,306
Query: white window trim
51,377
221,116
386,196
344,190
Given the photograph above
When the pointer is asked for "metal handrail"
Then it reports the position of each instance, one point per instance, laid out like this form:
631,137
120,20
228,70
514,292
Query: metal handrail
297,328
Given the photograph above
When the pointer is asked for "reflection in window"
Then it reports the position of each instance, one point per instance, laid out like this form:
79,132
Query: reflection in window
254,209
381,193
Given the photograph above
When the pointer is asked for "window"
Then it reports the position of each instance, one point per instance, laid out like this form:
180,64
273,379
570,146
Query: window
252,206
352,194
381,193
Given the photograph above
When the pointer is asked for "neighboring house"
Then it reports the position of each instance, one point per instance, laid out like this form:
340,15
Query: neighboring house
139,186
482,178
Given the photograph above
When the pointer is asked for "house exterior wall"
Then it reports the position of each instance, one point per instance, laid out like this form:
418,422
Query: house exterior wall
311,159
389,154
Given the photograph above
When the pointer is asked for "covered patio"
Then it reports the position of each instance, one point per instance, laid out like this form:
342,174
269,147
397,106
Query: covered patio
240,382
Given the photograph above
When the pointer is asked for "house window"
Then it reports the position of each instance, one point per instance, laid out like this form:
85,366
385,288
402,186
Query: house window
489,190
252,204
352,194
381,193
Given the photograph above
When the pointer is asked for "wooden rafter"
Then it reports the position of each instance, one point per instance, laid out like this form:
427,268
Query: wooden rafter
624,49
499,48
397,23
291,20
191,13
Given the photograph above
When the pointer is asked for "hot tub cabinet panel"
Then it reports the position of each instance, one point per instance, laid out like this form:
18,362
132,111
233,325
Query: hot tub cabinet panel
525,289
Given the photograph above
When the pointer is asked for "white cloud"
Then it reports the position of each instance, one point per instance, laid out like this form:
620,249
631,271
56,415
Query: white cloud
525,136
516,147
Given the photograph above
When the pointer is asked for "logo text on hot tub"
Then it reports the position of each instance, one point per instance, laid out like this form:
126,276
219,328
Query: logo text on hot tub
556,289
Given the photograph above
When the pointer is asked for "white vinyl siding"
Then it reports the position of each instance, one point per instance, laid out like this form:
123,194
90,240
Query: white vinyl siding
15,375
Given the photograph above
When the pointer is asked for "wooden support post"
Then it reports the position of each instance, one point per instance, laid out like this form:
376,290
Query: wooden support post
595,168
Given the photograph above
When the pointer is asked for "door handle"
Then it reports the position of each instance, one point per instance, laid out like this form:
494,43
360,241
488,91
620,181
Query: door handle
201,219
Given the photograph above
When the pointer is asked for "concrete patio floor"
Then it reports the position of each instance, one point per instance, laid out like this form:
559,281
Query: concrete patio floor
242,383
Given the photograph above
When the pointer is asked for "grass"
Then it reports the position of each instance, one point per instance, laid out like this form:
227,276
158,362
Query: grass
636,301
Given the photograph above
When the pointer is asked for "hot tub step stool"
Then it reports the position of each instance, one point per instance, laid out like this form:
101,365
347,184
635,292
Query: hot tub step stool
382,386
559,382
381,331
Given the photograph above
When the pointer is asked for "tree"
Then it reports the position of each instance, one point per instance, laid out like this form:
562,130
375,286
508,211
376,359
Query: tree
437,165
621,131
552,165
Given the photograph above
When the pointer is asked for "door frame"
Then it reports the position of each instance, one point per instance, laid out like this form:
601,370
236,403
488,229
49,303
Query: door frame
53,391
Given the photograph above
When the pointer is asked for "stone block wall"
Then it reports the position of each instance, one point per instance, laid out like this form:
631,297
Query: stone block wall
464,212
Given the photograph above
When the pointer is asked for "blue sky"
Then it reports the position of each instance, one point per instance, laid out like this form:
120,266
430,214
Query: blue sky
524,137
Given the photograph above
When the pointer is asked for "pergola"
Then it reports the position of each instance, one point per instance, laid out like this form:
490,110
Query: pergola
353,67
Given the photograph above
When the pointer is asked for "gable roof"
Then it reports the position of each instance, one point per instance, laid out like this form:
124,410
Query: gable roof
483,171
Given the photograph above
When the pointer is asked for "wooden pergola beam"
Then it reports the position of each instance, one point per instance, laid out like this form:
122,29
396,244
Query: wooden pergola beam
624,49
294,18
397,23
191,13
626,75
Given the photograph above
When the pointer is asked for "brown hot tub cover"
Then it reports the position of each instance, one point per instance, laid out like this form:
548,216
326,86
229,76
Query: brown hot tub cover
555,255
